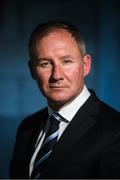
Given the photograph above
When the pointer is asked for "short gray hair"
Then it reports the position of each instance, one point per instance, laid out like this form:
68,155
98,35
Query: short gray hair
43,29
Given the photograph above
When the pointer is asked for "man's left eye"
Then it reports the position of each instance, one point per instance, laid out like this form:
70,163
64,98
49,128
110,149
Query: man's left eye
67,61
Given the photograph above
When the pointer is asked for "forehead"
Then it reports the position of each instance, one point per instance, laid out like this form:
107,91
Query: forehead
57,43
56,32
56,35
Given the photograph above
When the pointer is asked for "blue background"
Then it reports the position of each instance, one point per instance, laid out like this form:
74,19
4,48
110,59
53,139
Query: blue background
19,96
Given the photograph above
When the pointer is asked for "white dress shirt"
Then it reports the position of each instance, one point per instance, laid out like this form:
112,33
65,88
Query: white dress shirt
68,112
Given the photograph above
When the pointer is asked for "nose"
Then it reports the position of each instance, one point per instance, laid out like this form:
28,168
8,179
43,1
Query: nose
57,73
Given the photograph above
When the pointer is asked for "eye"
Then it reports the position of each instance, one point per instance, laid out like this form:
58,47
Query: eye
44,64
67,61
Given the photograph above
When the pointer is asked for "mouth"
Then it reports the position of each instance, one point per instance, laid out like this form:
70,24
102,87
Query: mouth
56,87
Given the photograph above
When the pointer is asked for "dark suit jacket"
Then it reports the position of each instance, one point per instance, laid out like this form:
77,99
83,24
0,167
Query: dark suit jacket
88,148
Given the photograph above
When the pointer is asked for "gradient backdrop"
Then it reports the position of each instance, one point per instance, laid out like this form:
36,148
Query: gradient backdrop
19,96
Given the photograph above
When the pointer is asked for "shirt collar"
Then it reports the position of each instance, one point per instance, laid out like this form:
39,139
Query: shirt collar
69,111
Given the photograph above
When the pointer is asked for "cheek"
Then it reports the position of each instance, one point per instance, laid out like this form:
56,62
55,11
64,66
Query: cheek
42,77
75,75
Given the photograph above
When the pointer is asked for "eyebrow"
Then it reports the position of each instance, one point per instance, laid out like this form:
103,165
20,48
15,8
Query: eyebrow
66,56
50,59
43,59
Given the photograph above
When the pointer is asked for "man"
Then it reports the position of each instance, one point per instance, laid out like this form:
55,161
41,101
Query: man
88,142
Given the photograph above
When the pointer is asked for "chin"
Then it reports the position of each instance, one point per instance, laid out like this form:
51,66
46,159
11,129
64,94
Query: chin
57,97
58,102
56,105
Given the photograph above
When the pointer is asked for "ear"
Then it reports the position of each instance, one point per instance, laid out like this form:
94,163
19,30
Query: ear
31,68
87,64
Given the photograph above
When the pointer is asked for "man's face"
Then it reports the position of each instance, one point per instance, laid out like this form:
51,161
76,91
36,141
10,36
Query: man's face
60,68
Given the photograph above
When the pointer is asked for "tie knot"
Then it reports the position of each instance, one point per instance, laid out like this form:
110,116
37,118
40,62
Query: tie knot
56,116
54,119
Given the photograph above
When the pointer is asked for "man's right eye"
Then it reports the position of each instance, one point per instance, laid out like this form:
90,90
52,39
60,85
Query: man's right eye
44,64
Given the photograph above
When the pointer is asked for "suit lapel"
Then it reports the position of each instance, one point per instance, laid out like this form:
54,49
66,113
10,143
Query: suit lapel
83,121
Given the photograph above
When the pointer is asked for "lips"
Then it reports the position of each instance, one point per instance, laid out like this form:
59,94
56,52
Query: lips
56,87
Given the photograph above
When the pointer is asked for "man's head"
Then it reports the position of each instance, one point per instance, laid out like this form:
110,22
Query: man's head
58,62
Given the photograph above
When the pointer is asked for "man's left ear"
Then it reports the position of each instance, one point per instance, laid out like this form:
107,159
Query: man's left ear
87,64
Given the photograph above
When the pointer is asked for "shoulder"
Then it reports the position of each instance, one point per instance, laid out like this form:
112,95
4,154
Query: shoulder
106,122
105,113
34,120
103,107
108,110
110,117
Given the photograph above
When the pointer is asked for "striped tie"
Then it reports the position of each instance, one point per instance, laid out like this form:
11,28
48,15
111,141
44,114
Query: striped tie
47,146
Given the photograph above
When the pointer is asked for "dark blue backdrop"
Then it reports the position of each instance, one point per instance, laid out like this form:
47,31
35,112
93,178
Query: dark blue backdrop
19,95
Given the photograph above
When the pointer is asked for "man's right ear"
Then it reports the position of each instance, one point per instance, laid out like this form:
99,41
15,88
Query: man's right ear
32,69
